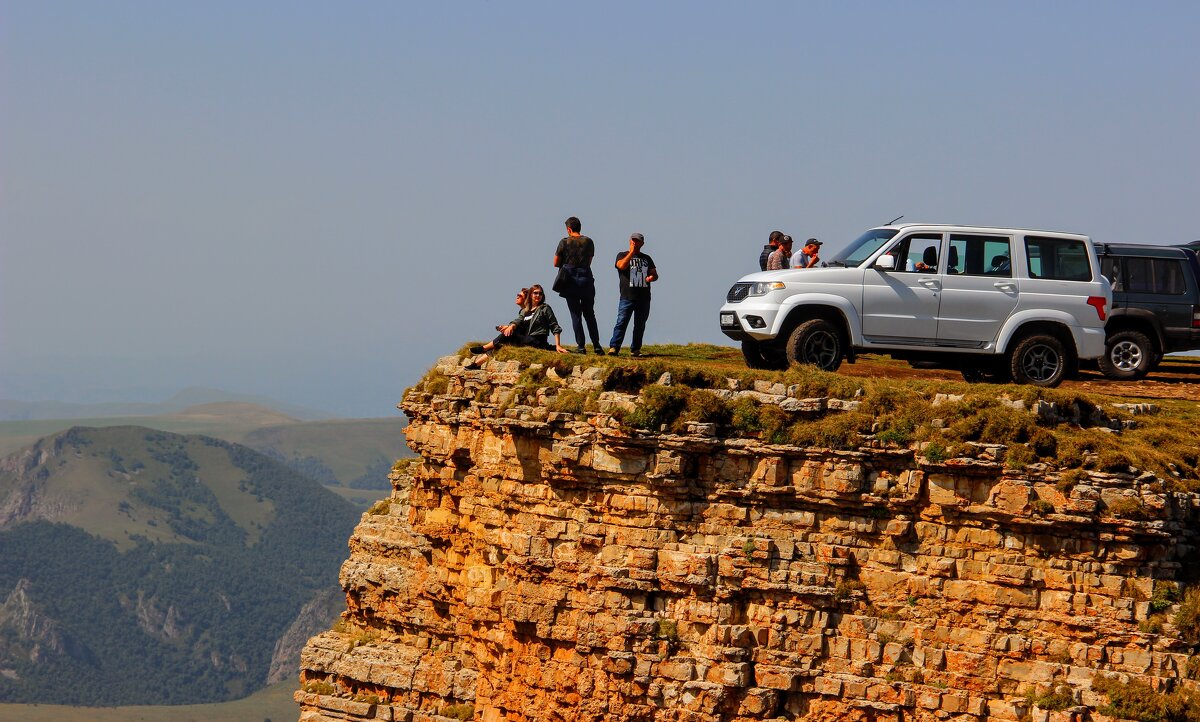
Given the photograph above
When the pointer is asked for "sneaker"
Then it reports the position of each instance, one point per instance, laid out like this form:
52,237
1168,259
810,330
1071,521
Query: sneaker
635,354
614,352
476,349
580,350
599,350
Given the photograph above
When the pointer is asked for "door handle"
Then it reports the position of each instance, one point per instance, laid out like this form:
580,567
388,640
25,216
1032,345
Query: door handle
929,282
1005,284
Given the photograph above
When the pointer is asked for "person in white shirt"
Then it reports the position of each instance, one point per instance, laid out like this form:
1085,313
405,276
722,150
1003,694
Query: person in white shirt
808,256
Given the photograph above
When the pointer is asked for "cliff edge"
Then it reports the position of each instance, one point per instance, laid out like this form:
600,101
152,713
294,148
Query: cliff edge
545,559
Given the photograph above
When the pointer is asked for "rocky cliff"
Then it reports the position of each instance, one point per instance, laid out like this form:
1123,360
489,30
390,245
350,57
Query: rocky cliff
537,564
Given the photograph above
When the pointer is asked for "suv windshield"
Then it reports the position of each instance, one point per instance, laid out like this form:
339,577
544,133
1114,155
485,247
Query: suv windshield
863,247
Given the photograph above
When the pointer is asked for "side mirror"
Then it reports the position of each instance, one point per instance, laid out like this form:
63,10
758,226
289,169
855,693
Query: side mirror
886,262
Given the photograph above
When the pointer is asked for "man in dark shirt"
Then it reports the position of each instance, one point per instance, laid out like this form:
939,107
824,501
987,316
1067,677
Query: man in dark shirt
575,283
636,271
772,244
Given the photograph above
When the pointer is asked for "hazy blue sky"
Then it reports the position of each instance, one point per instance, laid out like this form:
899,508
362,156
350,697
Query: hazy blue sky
314,201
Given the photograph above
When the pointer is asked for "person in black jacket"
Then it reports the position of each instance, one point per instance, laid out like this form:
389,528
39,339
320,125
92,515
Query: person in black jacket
531,327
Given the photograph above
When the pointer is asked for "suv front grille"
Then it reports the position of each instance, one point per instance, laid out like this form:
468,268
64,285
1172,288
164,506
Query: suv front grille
738,292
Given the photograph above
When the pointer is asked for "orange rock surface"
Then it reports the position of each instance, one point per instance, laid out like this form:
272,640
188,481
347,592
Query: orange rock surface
539,566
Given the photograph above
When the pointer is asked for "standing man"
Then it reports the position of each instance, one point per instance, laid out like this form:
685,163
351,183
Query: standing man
636,271
772,244
780,259
575,283
808,256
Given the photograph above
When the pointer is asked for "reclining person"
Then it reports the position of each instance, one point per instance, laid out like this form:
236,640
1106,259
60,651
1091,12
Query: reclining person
530,328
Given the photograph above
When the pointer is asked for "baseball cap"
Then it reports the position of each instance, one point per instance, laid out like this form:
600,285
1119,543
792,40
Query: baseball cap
812,242
637,237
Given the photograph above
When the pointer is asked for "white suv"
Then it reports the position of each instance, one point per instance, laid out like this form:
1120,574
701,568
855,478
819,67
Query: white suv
996,303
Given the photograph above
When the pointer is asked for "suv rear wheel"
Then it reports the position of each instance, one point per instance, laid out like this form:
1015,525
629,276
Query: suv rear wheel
1039,360
817,342
1128,355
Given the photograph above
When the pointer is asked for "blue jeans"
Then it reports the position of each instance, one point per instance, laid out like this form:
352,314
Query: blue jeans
639,310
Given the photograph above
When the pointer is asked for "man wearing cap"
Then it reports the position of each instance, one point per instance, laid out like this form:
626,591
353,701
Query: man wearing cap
781,259
772,244
636,272
807,257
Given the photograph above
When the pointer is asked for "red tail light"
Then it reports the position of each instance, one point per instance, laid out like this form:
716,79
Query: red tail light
1101,306
1195,316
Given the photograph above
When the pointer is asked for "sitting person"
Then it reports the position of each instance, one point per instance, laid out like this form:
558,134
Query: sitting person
530,328
1000,264
522,302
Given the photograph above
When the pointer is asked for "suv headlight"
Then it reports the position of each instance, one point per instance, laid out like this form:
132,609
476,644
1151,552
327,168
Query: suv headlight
762,288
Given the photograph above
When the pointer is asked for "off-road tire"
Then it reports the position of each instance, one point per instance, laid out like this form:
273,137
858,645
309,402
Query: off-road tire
816,342
762,356
1039,360
1128,355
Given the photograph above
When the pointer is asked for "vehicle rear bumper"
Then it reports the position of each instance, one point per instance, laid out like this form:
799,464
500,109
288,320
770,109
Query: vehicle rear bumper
1089,342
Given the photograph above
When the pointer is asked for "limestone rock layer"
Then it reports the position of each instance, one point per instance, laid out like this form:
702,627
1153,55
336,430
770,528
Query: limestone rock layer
538,566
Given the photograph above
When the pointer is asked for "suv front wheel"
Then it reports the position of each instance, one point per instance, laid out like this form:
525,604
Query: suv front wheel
1039,360
1128,355
816,342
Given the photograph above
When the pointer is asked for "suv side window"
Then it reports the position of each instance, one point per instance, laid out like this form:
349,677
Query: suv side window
975,255
1061,259
919,249
1152,275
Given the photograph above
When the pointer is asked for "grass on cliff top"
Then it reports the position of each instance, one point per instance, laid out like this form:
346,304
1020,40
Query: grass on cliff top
895,412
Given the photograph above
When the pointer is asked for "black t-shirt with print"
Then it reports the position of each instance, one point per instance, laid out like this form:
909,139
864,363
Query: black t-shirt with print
634,286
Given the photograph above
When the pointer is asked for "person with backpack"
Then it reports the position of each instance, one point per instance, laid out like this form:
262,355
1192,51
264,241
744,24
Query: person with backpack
575,283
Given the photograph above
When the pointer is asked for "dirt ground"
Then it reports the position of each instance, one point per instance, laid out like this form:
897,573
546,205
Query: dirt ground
1177,378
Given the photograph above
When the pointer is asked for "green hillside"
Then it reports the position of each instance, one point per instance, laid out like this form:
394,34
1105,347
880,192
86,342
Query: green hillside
355,453
352,453
145,567
229,421
271,703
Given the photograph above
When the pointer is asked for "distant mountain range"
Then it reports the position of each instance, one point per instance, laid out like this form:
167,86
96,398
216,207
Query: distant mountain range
139,566
349,453
11,410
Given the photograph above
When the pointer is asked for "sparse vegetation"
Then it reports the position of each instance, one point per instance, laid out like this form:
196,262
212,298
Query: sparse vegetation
890,413
380,508
1041,507
1135,700
667,629
319,686
1067,481
1187,618
846,588
936,452
1164,596
458,711
1053,700
1152,624
1127,508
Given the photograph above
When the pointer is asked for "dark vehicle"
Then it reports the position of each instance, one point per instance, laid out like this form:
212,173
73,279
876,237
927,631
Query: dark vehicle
1156,305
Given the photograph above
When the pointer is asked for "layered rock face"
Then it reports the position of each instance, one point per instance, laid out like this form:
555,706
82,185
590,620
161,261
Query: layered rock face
537,565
